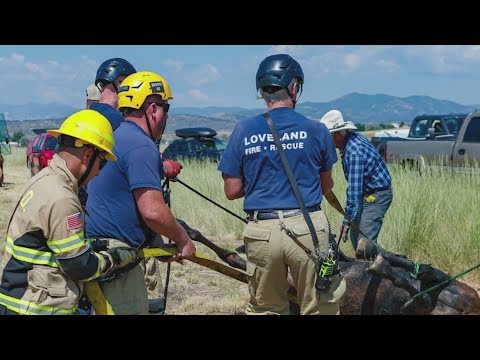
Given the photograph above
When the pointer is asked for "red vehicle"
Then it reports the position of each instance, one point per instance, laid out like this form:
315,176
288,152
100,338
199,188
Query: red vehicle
42,151
31,144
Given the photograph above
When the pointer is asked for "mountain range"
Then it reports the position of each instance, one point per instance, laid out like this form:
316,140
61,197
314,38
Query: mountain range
356,107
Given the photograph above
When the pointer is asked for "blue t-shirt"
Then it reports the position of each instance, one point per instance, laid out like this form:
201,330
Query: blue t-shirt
111,206
252,156
113,115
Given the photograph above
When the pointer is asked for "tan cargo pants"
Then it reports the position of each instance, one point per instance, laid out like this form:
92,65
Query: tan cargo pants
275,253
153,278
127,294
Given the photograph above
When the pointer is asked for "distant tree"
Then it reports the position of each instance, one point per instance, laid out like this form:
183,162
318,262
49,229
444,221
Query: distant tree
402,124
360,127
24,142
17,136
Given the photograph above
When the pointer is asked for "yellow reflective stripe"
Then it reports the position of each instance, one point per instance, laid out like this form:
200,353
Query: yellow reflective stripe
100,263
30,255
27,308
68,244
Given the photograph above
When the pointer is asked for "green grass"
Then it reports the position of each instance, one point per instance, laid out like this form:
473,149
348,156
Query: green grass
433,217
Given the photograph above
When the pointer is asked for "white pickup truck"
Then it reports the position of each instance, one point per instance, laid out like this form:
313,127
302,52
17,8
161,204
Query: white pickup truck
456,150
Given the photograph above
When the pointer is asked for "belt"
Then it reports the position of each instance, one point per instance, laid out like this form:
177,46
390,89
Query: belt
373,191
269,215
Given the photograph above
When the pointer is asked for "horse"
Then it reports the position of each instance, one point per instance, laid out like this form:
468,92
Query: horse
381,283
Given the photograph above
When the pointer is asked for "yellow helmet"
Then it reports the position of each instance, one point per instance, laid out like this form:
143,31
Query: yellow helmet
89,127
136,87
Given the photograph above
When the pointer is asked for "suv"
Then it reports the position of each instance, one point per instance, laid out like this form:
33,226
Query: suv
42,151
195,143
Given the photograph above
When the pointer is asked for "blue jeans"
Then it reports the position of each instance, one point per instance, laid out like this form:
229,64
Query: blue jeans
370,216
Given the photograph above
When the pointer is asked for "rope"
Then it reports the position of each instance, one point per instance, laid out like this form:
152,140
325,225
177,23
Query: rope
166,194
210,200
446,281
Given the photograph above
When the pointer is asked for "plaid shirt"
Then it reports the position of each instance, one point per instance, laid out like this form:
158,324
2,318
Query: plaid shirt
364,170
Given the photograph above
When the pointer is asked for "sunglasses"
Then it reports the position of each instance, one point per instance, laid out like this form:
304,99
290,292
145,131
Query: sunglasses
103,162
164,106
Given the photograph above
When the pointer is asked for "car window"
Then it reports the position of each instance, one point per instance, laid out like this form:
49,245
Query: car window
420,128
182,147
207,144
454,124
221,145
36,140
472,132
41,142
51,143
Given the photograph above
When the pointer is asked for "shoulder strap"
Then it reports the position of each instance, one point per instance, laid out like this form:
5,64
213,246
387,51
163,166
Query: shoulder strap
291,179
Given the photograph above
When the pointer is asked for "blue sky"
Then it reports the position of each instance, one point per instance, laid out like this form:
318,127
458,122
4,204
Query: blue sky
224,75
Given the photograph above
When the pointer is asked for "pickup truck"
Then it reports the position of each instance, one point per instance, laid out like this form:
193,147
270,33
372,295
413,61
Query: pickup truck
459,147
444,126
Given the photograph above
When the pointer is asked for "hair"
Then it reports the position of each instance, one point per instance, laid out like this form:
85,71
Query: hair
67,143
273,97
273,94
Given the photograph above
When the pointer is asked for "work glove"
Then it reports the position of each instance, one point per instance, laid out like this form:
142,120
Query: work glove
122,256
171,168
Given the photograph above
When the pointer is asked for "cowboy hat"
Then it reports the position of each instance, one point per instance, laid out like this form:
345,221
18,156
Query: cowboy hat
334,122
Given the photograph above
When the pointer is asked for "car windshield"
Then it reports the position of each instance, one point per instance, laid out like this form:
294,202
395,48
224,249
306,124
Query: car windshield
454,124
221,145
213,144
51,143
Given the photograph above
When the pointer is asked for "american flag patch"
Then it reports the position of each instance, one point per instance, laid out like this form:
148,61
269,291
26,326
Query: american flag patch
74,221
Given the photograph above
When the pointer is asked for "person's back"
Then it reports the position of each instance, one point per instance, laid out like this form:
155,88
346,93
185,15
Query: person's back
266,179
376,172
277,238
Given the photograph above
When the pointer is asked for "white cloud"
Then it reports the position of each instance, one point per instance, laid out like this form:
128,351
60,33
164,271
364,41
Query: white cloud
17,67
444,59
174,64
197,95
292,50
203,74
387,65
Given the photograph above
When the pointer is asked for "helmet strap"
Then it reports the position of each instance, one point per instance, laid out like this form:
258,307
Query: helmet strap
115,86
294,101
147,120
89,167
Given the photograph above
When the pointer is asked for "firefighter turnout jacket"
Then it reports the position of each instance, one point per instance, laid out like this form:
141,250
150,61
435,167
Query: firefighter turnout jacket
46,256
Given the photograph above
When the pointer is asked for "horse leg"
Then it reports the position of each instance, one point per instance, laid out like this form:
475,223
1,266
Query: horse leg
421,305
230,257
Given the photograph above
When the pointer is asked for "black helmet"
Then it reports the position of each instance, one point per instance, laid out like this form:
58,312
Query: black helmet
278,71
111,69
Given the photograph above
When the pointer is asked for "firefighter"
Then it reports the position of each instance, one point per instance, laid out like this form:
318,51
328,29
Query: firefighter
47,257
139,212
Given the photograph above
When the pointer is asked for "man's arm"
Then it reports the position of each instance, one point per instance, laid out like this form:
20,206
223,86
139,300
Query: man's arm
160,219
233,187
355,186
326,181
